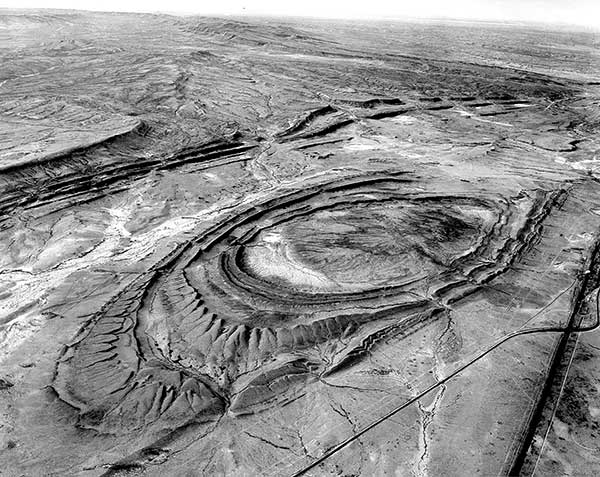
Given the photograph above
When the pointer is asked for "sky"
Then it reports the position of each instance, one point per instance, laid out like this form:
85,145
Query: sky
578,12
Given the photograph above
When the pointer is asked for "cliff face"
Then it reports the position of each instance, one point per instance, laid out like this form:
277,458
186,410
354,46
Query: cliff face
254,247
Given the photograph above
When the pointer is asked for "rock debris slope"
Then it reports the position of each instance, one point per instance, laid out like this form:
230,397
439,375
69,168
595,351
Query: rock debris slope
264,247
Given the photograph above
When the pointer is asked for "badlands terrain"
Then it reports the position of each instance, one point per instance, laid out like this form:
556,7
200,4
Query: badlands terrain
283,247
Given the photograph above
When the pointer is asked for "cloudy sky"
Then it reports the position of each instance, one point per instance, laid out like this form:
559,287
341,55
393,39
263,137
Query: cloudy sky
581,12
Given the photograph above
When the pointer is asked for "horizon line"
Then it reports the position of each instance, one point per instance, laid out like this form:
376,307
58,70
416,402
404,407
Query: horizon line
395,18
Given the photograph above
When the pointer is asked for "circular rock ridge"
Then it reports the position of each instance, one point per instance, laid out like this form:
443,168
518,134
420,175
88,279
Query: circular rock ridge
221,325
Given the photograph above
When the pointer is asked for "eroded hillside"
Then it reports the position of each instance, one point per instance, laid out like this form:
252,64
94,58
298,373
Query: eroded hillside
273,248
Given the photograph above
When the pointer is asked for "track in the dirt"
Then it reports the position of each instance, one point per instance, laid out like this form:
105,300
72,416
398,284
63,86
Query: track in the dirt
248,233
223,321
515,470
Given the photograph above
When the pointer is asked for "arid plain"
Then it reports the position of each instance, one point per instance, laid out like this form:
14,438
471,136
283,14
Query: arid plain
297,247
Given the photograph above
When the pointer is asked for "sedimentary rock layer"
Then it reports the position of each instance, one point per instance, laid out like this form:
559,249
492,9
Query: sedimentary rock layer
261,248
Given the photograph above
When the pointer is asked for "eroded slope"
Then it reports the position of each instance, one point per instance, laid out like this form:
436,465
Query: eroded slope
229,247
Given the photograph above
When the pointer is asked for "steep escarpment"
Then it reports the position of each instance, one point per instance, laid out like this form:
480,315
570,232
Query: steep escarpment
282,248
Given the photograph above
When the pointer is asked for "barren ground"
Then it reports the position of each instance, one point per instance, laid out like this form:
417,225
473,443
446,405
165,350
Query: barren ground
269,247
